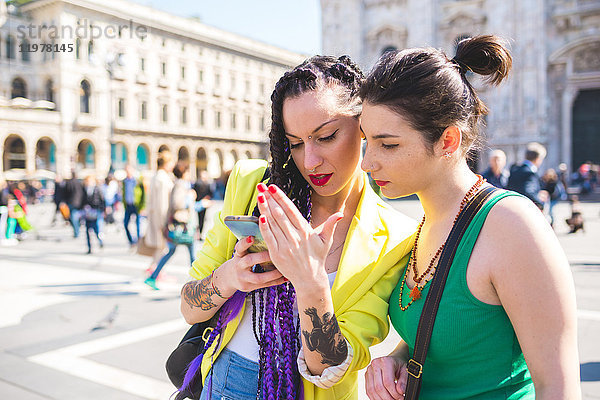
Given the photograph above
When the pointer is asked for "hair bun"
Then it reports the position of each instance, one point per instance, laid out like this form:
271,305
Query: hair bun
485,55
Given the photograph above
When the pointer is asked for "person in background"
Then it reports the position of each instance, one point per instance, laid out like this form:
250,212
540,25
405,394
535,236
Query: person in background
563,175
74,198
524,178
556,192
93,210
204,189
59,196
158,205
4,199
134,199
575,222
110,189
180,219
496,174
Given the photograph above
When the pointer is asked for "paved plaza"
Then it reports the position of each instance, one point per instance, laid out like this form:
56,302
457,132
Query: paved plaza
76,326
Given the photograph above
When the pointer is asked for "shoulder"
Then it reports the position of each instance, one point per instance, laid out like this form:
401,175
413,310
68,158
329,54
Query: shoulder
514,214
251,169
516,232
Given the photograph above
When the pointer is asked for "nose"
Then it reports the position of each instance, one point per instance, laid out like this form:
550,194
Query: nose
367,164
312,157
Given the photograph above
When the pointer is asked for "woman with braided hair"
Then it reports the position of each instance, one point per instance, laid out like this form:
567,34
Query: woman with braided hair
506,327
303,329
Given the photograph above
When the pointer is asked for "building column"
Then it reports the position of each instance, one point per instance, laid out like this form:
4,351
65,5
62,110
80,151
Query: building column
30,148
568,98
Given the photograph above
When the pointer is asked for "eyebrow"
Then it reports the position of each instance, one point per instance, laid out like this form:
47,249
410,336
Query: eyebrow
316,129
380,136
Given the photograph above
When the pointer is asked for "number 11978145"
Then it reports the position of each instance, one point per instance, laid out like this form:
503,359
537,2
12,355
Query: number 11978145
45,48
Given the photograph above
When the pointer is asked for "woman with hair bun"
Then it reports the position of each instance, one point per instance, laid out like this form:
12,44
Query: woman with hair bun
303,329
506,327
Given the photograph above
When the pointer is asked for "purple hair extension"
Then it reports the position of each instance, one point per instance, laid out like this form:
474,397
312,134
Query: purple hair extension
268,341
228,312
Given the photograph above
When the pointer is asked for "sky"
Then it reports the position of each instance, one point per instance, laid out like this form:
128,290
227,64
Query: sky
291,24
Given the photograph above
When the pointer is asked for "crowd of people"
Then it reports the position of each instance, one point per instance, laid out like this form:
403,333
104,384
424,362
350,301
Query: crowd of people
545,189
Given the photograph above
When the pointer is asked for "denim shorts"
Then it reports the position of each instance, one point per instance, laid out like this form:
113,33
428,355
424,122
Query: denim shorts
233,378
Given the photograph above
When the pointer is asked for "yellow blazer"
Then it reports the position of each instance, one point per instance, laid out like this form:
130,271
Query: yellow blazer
375,252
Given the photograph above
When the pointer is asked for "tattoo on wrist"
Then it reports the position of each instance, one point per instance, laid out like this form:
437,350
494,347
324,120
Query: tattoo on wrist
198,294
326,338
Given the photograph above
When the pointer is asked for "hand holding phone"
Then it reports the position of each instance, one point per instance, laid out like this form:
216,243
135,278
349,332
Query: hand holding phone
246,225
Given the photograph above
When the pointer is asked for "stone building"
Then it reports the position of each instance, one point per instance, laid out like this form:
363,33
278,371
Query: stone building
553,94
95,84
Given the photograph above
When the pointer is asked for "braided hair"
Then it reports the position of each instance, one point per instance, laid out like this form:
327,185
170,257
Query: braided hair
275,328
279,349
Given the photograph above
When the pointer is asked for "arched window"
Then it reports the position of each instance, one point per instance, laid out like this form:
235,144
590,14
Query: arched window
10,47
165,113
25,55
50,90
86,154
18,88
142,157
84,97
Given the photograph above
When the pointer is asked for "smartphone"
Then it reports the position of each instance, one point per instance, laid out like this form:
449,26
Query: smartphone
246,225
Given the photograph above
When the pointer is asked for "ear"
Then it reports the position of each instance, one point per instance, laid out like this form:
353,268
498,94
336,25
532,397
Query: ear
450,140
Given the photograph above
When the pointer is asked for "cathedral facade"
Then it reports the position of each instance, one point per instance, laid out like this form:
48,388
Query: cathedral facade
553,93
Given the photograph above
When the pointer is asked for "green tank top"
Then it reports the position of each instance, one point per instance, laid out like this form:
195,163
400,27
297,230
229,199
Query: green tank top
474,352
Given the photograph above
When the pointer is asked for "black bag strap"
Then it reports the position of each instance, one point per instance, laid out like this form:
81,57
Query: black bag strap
432,302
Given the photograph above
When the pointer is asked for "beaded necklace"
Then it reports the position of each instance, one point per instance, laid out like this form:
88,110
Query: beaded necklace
415,292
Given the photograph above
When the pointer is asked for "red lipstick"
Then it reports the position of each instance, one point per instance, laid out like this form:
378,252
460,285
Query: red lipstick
320,180
382,183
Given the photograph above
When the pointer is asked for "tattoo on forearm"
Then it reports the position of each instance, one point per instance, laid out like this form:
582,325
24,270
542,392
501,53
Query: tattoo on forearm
198,294
326,338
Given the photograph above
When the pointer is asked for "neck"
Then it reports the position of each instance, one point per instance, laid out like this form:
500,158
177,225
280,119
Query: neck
441,198
346,199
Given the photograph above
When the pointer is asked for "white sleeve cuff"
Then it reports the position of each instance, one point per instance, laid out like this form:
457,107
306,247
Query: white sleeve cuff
331,375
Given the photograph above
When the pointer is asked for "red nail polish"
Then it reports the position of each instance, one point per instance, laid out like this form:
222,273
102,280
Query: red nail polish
261,187
249,239
286,280
263,219
272,189
261,198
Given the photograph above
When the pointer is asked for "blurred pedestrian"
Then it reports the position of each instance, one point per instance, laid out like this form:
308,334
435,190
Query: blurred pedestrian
204,189
556,192
496,174
563,175
4,213
110,189
134,200
180,219
524,178
93,210
74,199
583,178
58,197
158,204
575,222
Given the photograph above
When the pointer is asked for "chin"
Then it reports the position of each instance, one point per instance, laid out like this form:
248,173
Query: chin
392,194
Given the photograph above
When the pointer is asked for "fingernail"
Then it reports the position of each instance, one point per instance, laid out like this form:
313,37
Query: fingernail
249,239
272,189
286,280
261,198
261,187
338,218
263,219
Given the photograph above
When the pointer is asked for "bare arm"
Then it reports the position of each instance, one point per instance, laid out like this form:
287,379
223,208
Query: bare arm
535,286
